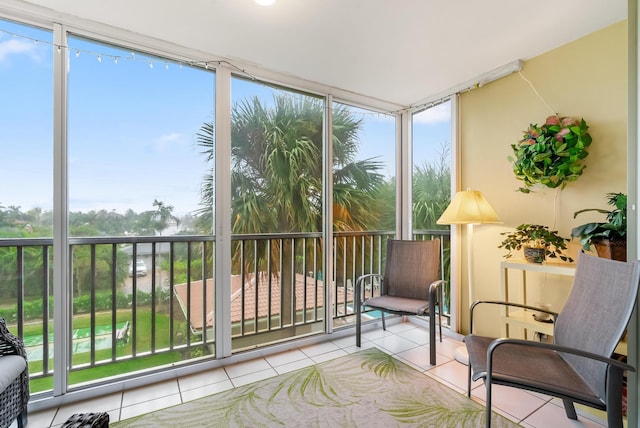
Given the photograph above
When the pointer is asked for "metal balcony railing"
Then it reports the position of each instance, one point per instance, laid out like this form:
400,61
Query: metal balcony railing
130,316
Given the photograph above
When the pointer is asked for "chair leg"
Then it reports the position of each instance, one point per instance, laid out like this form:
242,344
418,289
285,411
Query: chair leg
488,407
469,381
358,320
22,419
440,319
384,326
614,396
569,409
432,339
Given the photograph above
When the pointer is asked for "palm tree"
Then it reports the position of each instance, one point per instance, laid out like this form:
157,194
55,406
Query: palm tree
162,216
156,220
431,191
276,178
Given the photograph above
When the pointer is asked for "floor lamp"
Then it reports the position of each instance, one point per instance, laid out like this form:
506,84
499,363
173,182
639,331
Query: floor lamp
468,207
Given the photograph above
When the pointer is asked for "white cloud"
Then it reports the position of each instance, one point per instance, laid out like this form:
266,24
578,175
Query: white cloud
17,47
438,114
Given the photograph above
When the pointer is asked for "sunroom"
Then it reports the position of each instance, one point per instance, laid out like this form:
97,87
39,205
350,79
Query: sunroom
255,160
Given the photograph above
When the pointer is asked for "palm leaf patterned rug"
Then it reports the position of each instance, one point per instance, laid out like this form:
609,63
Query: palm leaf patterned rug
368,388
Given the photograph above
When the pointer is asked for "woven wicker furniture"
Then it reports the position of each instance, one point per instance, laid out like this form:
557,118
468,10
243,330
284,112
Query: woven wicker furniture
14,379
87,420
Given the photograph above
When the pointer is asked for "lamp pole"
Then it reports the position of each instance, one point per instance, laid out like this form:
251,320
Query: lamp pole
468,207
461,354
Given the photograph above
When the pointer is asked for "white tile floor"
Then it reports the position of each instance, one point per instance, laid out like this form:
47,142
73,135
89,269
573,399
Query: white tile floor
405,341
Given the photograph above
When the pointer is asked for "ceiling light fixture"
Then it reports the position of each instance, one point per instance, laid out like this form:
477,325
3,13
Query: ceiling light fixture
265,2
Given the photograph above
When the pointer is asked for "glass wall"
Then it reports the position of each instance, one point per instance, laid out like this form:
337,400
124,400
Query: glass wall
26,193
276,201
364,199
139,172
26,131
137,169
431,175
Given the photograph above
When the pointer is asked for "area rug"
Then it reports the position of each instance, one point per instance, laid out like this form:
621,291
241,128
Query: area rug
365,389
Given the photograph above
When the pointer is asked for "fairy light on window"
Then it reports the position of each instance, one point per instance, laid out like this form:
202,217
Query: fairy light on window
131,56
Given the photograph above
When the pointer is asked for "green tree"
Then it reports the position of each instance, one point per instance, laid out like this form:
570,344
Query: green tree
431,191
276,178
276,181
155,221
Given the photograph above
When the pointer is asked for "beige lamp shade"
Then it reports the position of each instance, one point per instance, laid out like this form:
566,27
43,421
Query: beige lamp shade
469,207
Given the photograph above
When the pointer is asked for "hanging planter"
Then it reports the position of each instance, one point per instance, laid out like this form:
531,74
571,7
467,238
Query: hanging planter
552,154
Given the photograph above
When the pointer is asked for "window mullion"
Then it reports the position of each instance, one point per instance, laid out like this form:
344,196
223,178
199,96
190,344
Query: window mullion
62,306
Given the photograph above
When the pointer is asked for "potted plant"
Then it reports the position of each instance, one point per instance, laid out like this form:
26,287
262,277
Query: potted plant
538,243
610,237
551,154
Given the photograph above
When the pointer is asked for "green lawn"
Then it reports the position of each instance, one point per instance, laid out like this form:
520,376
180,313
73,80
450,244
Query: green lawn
143,346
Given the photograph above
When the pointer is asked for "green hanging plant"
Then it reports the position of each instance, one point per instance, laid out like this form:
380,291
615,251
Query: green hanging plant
551,154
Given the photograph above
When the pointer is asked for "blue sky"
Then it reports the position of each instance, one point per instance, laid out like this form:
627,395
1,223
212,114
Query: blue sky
132,119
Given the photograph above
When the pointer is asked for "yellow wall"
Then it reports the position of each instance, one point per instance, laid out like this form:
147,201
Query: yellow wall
585,79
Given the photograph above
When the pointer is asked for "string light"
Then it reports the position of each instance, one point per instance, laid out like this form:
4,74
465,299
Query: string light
116,58
132,57
193,63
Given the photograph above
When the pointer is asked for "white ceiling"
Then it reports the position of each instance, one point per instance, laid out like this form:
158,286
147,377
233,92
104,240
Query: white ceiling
398,51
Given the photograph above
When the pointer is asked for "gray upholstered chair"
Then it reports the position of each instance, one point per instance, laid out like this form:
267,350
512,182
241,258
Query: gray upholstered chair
14,379
577,367
410,285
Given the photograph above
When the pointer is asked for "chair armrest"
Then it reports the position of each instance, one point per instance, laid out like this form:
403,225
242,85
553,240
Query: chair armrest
361,279
503,303
435,291
10,344
554,347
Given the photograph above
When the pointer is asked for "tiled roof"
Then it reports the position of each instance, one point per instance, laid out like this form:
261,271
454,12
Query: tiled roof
314,297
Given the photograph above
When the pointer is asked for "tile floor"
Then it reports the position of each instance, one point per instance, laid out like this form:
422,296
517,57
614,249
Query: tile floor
405,341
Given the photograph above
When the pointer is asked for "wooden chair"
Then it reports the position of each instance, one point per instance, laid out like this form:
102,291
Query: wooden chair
410,285
577,367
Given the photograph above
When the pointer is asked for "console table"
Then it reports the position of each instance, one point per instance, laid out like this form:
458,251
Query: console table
522,318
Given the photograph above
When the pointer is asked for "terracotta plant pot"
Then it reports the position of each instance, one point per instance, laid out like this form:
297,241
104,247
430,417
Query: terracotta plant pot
614,250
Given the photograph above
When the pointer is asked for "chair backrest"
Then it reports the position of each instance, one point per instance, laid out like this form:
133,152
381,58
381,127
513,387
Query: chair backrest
597,312
411,267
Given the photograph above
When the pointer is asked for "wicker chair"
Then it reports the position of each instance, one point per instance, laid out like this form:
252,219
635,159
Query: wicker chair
14,379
